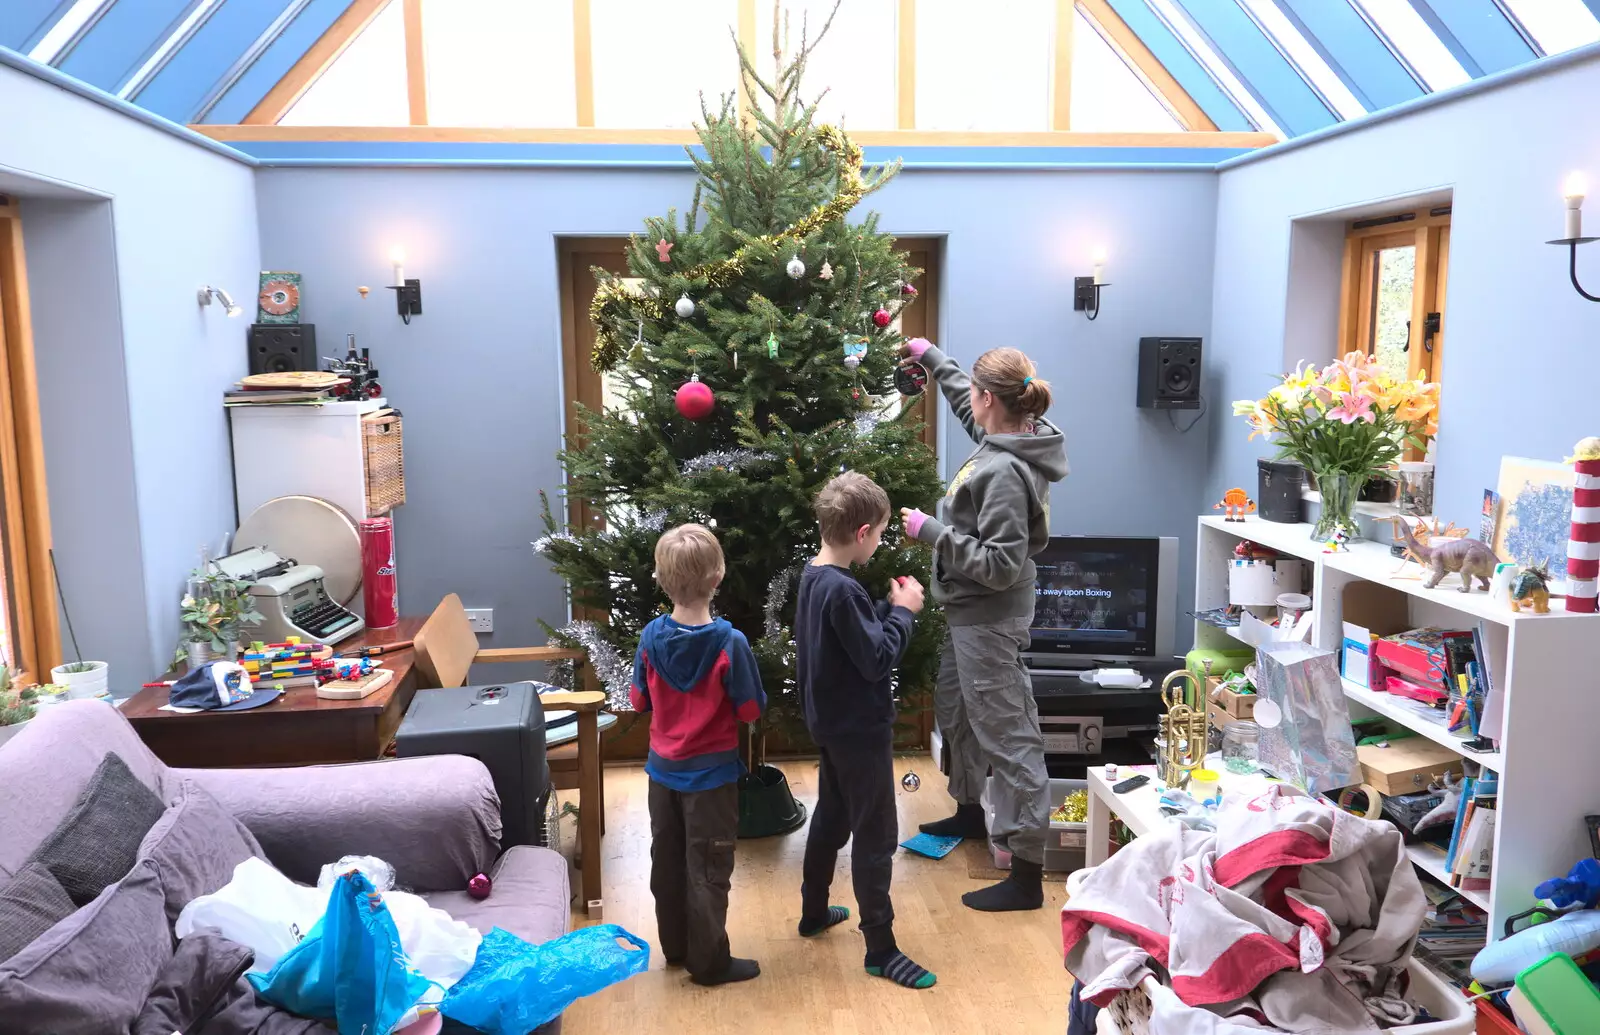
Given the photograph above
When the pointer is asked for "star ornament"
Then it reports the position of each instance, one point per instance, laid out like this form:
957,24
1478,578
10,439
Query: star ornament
664,251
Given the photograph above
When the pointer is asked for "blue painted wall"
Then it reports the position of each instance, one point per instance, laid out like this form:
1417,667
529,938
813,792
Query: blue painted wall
1515,331
180,216
476,374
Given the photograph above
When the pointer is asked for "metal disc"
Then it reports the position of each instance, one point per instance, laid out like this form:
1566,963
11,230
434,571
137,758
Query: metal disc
310,531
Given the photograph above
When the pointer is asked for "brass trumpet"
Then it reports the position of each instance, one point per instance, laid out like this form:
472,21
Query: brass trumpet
1185,729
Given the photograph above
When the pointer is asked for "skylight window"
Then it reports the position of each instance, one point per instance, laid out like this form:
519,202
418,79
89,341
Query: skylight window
653,61
198,12
1556,25
860,93
64,34
1294,46
1414,43
520,74
1107,95
366,86
1229,83
988,72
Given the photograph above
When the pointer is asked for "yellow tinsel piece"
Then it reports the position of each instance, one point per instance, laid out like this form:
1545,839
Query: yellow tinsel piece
1074,810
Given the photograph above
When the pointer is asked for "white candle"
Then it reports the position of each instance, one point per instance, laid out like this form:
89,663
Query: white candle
1574,191
1099,265
397,256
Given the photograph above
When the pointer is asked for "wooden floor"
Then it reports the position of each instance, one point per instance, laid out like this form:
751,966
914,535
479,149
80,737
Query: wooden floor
998,973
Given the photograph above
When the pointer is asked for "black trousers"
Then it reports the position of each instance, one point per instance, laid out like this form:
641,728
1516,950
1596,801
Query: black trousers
692,836
855,799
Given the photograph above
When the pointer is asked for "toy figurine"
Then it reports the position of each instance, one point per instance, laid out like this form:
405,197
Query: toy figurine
1236,505
1341,536
1531,589
1472,558
1583,549
1248,551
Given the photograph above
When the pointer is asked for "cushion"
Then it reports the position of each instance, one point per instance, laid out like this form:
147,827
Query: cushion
31,903
97,842
195,845
202,989
90,973
530,897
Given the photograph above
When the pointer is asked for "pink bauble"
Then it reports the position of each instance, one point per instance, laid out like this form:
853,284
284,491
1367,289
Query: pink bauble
695,400
480,886
908,291
882,317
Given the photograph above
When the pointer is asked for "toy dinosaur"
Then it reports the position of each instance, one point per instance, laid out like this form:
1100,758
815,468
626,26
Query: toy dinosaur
1471,558
1531,588
1236,504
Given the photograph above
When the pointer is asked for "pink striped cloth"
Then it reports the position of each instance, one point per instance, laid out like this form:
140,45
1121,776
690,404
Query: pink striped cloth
1292,916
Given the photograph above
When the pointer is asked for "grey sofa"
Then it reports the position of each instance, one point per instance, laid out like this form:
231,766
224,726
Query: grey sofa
113,965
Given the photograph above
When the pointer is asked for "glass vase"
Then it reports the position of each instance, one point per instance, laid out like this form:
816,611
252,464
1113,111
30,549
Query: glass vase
1339,490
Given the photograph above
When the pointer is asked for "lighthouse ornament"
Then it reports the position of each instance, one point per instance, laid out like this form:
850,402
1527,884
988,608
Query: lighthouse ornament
1583,546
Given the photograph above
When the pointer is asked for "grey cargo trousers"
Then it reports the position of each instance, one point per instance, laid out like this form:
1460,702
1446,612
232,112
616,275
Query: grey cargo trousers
984,703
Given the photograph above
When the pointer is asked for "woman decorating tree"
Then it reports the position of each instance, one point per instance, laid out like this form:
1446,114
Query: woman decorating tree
993,519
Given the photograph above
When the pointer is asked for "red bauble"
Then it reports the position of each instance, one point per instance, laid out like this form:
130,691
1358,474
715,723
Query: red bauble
908,291
882,317
480,886
695,400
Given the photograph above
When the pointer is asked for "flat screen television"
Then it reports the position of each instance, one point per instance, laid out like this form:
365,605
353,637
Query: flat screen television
1104,599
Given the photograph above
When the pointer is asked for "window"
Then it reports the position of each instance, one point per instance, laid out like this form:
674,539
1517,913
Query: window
1414,43
1392,300
1304,57
860,94
653,61
1107,95
1195,42
1556,25
499,63
29,633
984,70
366,86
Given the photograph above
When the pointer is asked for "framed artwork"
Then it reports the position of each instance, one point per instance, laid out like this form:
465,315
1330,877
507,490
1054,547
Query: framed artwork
1535,515
278,300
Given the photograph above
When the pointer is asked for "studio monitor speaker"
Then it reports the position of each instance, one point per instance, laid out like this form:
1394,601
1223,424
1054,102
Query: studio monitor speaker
276,348
1169,373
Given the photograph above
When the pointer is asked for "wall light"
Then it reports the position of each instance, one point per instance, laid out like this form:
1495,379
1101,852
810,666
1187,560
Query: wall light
407,293
1086,290
1573,191
207,293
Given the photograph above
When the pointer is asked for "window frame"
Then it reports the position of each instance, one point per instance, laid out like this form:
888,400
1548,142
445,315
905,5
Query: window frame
24,497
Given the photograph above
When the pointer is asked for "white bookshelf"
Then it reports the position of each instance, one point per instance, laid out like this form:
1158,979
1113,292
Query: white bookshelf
1548,665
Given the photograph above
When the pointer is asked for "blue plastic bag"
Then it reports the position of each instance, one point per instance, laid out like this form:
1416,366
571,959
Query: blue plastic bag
350,969
514,986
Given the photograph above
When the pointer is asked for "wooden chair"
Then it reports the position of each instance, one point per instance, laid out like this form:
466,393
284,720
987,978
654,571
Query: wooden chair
447,648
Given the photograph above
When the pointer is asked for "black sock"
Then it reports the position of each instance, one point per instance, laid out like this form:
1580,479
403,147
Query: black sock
1024,889
899,968
737,970
836,915
967,822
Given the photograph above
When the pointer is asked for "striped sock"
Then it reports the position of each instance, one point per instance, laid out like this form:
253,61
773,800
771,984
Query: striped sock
901,969
836,915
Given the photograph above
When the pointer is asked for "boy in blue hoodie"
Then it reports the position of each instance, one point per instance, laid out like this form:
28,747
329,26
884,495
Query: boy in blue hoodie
846,651
698,676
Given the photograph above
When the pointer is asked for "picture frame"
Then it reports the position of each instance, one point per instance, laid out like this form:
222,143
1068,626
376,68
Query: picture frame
1534,522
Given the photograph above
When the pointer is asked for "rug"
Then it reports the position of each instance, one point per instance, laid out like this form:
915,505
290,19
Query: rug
980,864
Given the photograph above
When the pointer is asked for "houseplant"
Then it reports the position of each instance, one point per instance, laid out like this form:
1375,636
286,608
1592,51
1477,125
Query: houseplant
17,707
214,610
81,678
1344,423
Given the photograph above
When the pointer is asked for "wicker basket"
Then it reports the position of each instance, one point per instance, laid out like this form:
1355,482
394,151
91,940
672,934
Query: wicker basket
385,462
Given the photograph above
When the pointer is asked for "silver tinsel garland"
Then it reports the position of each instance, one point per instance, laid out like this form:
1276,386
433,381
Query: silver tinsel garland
615,672
867,422
544,542
728,459
650,521
777,596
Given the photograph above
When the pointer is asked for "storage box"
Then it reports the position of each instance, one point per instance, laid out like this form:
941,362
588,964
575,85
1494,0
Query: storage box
1406,766
1418,655
1222,661
1260,583
1064,843
1369,612
385,461
1235,705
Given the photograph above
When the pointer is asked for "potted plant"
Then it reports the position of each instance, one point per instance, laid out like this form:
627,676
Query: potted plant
214,610
1343,423
80,678
17,706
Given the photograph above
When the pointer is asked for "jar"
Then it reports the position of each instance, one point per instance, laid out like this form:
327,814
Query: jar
1241,746
1416,489
1290,607
1204,784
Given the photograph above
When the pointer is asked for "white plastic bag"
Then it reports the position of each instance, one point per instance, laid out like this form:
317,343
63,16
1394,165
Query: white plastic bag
380,873
259,908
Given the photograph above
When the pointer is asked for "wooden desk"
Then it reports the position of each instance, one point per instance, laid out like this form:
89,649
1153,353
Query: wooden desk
298,728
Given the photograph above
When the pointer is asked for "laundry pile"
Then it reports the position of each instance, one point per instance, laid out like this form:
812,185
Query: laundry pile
1291,916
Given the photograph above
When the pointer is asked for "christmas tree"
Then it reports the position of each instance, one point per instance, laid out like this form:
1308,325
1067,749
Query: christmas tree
752,356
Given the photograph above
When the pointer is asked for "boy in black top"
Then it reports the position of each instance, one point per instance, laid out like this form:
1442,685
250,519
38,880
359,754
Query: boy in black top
848,648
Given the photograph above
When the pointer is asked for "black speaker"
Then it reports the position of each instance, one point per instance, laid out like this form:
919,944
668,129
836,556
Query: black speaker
1169,373
279,347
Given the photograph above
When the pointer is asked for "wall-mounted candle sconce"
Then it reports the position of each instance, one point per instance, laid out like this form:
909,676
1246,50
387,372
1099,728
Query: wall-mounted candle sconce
1576,187
407,293
1086,290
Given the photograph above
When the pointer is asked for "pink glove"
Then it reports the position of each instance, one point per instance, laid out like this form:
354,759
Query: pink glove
913,519
915,347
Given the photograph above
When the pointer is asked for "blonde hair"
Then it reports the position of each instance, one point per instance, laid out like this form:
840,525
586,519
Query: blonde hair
1008,375
689,563
848,502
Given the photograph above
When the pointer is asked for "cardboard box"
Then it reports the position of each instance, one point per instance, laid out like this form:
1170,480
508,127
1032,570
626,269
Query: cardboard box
1369,611
1235,705
1406,766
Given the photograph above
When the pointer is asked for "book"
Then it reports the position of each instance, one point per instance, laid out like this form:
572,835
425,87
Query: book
1462,808
1476,859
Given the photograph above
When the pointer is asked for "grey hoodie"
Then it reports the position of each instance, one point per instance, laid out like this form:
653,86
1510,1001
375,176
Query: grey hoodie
996,514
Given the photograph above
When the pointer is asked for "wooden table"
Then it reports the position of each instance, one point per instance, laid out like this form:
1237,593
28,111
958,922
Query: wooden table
298,728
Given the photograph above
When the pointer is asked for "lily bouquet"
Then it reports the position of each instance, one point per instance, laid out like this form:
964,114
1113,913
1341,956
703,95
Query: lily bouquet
1344,422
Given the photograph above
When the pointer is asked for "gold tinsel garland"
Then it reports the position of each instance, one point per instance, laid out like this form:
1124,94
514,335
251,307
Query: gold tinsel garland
613,301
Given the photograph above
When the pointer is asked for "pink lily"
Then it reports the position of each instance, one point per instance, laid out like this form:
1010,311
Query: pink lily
1352,408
